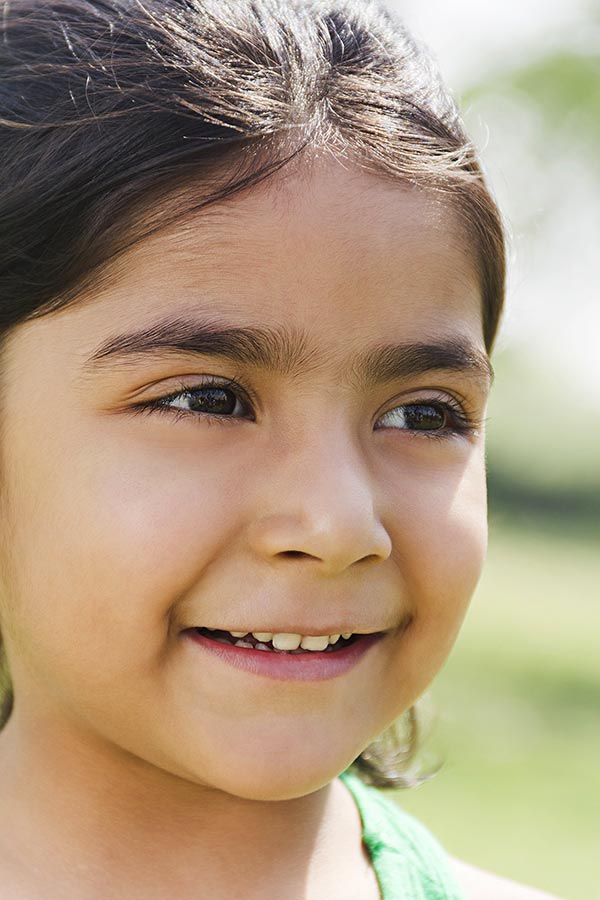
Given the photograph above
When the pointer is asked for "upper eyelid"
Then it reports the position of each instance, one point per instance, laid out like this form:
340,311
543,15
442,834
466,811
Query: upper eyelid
239,383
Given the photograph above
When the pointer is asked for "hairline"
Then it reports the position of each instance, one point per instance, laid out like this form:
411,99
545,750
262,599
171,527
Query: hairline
153,211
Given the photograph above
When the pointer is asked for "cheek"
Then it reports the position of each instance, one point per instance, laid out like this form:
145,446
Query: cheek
441,541
104,547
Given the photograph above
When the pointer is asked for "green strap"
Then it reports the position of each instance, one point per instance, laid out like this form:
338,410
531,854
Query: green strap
408,861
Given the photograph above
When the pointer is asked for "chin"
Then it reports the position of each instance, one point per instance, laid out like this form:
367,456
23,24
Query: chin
289,785
275,775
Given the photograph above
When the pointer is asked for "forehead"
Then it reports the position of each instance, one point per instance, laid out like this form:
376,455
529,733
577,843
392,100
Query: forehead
331,253
324,233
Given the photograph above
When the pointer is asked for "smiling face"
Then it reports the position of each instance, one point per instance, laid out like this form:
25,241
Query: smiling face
338,485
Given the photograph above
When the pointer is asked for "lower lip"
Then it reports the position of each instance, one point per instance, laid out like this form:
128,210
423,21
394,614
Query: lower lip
314,665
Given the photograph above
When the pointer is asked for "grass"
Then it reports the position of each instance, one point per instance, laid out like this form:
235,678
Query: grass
518,719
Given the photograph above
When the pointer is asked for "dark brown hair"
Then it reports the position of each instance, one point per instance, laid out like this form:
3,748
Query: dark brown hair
110,108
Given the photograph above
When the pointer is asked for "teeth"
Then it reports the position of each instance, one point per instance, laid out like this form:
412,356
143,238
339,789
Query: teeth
313,642
306,642
263,636
286,641
245,644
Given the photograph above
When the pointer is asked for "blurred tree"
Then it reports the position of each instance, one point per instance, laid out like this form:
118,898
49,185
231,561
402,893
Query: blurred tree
541,141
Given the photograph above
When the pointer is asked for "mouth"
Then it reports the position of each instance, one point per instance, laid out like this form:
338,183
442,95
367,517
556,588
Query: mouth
281,642
282,655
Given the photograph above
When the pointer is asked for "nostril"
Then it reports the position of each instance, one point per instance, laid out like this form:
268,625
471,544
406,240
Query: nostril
293,553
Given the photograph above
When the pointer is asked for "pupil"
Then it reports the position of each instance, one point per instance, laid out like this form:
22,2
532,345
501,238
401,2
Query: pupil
213,400
422,417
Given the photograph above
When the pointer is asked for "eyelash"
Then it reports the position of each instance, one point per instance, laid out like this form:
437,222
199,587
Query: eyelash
463,422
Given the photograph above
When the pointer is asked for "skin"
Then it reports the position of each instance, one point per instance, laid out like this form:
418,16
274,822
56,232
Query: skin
134,763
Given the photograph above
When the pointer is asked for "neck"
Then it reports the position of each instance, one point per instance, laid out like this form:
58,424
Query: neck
88,814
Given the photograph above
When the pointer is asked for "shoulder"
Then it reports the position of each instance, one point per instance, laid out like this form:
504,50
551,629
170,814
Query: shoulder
477,884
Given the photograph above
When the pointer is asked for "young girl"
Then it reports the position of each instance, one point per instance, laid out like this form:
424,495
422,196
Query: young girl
251,277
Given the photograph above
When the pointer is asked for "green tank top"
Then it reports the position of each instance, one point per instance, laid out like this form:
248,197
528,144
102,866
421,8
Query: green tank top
408,861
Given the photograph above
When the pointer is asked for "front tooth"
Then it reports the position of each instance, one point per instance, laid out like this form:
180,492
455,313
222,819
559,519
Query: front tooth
334,638
263,636
286,641
238,634
314,642
347,634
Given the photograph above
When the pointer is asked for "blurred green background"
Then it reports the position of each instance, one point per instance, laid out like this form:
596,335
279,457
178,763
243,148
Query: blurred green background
518,703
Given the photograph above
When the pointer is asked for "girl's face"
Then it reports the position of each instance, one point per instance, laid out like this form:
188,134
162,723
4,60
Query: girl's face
337,485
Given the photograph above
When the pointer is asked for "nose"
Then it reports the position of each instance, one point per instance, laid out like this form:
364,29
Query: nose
319,504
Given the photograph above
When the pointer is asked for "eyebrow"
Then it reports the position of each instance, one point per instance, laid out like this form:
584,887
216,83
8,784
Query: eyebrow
282,351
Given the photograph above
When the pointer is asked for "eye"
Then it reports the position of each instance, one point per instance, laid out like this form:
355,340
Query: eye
431,418
216,400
